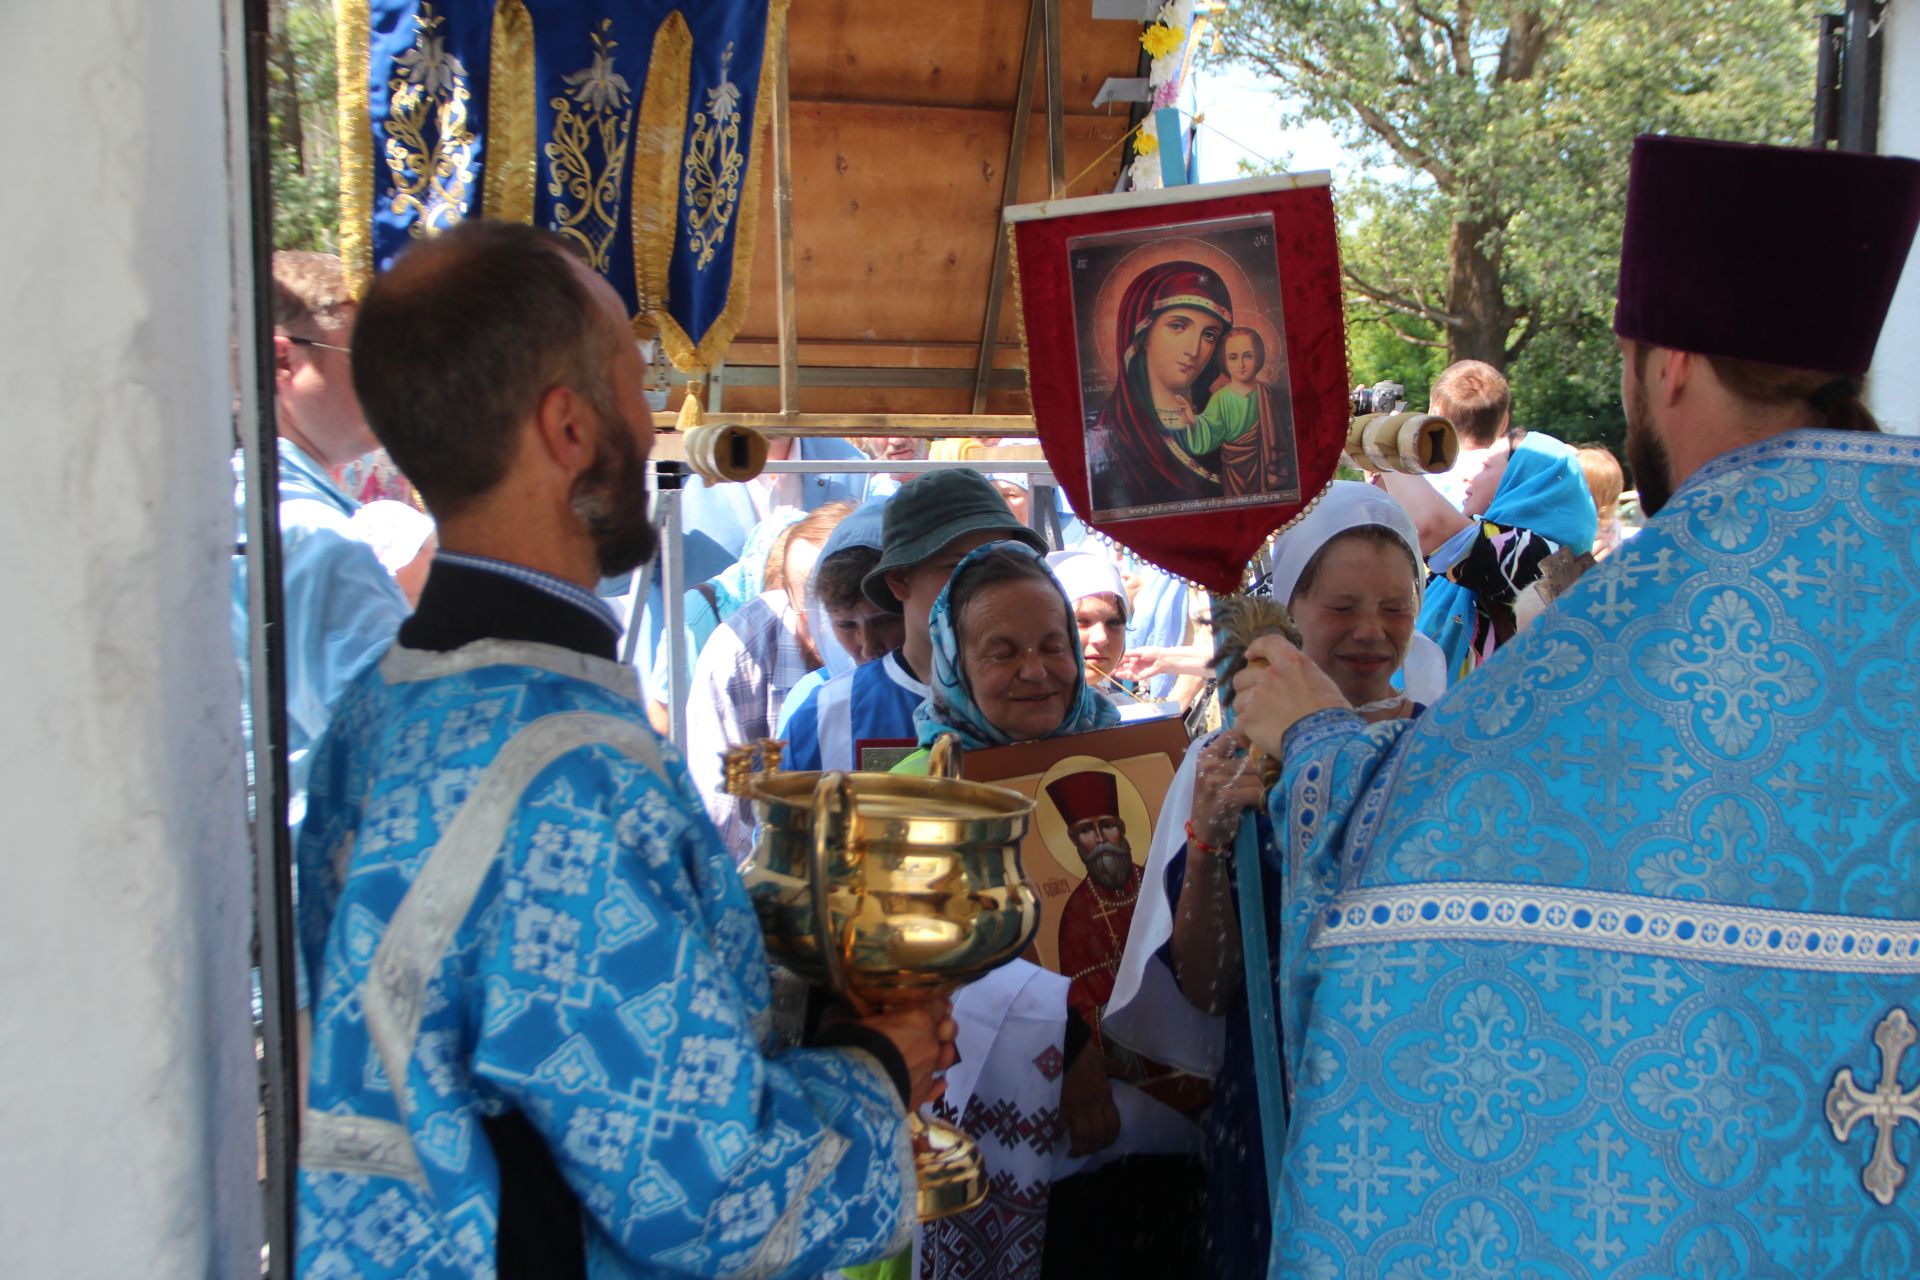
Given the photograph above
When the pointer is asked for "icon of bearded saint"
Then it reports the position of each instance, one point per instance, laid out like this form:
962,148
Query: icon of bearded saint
1098,913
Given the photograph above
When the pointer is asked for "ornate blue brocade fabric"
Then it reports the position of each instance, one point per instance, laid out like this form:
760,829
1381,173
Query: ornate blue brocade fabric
628,127
1596,968
514,900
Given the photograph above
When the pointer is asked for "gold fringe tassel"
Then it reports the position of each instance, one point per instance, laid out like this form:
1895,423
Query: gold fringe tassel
658,136
691,415
351,34
512,164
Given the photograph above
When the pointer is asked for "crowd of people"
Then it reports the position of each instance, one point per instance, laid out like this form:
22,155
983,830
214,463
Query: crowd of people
540,1011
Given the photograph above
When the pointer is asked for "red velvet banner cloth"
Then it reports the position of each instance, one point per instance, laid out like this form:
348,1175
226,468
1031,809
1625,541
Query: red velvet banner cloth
1214,535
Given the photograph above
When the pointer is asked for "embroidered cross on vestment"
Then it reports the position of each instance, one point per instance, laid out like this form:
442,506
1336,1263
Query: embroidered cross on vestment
1886,1105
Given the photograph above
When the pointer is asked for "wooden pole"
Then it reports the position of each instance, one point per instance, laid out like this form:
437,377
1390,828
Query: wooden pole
1056,106
1009,194
922,426
783,231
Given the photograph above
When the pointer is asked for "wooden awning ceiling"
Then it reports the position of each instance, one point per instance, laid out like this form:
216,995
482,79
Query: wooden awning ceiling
901,120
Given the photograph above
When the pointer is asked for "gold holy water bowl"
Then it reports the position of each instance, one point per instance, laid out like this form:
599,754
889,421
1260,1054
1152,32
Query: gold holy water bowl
892,890
923,887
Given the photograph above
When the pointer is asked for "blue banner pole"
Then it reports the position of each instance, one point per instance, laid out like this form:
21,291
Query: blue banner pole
1260,1015
1264,1026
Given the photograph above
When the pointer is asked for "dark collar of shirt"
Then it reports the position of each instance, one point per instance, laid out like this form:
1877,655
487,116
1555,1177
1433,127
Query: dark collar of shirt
469,598
900,656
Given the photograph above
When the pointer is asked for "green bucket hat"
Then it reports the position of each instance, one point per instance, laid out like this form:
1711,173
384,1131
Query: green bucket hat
927,513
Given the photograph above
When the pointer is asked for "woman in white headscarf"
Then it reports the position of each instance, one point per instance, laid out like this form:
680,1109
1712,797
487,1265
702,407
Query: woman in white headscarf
1351,575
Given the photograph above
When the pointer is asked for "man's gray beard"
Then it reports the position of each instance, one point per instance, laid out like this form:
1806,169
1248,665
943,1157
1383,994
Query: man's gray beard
1113,861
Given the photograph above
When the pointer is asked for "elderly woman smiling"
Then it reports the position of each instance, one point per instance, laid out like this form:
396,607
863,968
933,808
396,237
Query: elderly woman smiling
1006,657
1007,668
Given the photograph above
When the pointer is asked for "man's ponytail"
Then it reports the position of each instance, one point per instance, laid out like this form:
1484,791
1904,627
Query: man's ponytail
1833,400
1839,400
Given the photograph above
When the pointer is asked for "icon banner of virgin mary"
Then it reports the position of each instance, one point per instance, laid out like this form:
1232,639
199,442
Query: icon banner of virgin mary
1186,354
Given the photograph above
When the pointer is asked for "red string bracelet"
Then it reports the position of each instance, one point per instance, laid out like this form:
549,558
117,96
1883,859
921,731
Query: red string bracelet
1196,843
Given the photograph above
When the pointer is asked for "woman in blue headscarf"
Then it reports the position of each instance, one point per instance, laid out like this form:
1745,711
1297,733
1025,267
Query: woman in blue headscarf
1007,668
1530,503
1006,657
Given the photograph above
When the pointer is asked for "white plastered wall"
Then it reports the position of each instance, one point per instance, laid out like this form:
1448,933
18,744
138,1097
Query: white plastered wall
1894,389
127,1084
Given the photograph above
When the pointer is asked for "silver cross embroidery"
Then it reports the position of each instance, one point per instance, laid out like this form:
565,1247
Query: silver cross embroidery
1886,1106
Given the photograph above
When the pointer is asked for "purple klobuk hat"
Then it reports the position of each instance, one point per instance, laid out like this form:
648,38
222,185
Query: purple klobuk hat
1782,255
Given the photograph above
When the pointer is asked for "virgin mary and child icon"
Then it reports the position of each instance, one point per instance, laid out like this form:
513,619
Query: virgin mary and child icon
1184,372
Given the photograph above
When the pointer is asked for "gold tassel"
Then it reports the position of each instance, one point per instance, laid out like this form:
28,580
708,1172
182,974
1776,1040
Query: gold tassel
691,414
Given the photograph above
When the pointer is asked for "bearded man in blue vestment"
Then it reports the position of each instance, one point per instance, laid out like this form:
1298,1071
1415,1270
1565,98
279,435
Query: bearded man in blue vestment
1607,965
541,1031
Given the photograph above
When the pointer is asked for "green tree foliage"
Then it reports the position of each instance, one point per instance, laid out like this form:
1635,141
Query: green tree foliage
301,94
1495,136
1377,352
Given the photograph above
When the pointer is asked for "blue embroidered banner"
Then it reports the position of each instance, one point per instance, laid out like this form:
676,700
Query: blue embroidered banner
631,128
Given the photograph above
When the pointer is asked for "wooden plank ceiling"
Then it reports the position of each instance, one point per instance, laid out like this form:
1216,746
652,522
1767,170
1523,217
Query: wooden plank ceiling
901,118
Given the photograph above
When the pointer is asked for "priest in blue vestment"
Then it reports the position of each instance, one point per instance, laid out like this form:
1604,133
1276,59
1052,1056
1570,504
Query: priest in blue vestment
541,1027
1609,964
